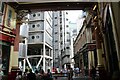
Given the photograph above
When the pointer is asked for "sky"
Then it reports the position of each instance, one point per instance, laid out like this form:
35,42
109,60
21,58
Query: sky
73,15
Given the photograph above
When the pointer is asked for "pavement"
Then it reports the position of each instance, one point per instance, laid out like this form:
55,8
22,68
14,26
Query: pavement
75,78
82,78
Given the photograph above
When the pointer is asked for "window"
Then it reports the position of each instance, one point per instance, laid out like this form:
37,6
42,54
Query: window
56,49
60,35
67,32
56,32
56,40
34,15
33,26
37,37
66,19
2,8
33,37
55,24
67,26
67,47
55,17
38,25
68,40
60,15
61,43
38,14
9,18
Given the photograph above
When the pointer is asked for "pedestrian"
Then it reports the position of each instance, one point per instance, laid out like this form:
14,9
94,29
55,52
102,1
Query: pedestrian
31,75
56,73
1,74
71,74
49,75
77,71
24,76
93,73
42,74
37,75
19,76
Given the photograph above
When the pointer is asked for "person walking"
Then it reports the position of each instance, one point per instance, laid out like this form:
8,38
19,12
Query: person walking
24,76
19,76
37,75
49,75
71,74
93,73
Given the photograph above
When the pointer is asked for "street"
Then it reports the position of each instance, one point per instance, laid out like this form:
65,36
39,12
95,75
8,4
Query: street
75,78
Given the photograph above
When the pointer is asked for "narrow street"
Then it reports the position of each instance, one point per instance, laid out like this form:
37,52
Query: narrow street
40,39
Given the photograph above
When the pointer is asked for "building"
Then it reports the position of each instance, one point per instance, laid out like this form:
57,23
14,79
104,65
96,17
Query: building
8,48
56,40
61,40
84,47
101,29
39,53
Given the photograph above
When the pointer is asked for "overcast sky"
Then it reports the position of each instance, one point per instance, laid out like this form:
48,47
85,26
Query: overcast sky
73,15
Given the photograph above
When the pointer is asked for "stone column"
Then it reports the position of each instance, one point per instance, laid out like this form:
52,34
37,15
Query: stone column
100,66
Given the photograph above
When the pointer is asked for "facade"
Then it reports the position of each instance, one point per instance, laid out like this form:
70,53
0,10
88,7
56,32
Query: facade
7,38
39,53
84,47
101,30
56,39
61,40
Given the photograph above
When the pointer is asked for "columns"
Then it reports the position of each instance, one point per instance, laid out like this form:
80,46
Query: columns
100,65
44,51
90,59
11,58
98,45
15,50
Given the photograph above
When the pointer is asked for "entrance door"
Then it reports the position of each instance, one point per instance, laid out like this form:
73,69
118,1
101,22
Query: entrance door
5,58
